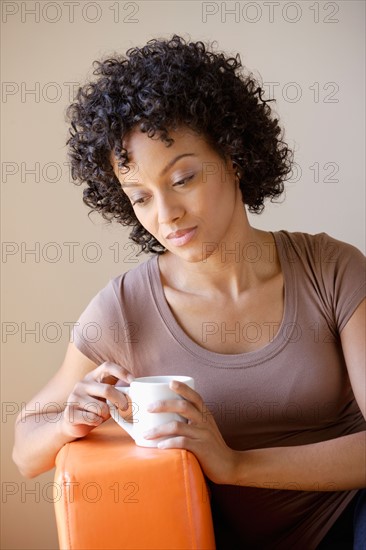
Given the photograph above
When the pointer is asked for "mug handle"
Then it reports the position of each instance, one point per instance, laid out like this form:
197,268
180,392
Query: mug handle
127,426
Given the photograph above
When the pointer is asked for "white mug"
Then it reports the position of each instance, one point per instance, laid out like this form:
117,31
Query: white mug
142,392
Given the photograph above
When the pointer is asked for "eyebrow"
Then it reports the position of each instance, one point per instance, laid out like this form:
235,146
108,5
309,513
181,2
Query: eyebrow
165,169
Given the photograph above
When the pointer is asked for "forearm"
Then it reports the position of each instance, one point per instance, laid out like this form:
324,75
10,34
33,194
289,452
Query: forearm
37,442
335,465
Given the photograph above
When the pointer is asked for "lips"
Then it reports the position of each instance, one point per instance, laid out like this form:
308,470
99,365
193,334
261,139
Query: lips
182,236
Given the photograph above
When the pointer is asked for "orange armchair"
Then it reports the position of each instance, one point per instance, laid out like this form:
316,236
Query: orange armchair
111,494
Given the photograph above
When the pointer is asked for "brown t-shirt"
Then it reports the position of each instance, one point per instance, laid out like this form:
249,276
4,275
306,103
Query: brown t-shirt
293,391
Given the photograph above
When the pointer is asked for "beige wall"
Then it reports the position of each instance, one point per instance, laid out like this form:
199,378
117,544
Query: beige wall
315,62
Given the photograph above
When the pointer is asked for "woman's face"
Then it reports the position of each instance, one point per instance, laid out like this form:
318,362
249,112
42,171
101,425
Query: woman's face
185,195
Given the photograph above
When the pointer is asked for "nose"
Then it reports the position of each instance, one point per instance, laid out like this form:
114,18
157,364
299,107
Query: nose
169,208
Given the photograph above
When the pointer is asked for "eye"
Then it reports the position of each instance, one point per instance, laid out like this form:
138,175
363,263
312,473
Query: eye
183,181
140,201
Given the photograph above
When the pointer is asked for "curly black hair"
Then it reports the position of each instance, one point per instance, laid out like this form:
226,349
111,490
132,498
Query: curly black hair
160,86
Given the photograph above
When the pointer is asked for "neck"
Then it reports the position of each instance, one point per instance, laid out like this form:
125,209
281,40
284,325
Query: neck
240,263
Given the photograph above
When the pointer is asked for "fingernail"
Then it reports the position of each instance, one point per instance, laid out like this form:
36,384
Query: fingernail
146,434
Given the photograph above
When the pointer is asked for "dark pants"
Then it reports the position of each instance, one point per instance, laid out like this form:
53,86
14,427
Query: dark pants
349,531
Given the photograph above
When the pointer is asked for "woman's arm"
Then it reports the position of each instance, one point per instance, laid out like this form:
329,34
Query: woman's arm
353,339
337,464
68,407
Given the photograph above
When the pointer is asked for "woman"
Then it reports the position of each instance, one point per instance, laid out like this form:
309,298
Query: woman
174,140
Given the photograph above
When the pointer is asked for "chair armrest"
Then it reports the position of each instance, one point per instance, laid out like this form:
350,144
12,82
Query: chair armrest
111,494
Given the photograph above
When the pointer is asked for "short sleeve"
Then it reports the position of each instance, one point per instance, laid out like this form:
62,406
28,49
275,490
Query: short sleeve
344,272
99,331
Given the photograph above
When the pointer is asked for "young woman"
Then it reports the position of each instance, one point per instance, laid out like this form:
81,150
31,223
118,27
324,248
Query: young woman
176,141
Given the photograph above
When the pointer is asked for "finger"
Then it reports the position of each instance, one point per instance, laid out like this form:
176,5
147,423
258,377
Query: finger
174,428
89,404
118,398
110,373
187,393
180,406
176,443
77,417
115,396
109,379
100,391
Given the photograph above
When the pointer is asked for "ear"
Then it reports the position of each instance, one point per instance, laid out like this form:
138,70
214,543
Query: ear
238,174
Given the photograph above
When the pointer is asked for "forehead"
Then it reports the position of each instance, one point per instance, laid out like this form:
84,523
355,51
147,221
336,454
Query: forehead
142,148
150,157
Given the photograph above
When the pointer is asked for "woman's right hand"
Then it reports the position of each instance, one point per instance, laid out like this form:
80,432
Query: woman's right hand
86,406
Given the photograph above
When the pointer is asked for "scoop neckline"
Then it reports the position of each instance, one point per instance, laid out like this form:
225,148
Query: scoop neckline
244,359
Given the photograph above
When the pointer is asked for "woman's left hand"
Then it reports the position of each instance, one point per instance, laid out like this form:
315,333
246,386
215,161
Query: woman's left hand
201,435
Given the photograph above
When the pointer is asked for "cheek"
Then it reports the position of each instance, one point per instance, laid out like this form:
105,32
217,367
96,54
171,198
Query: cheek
219,199
146,219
